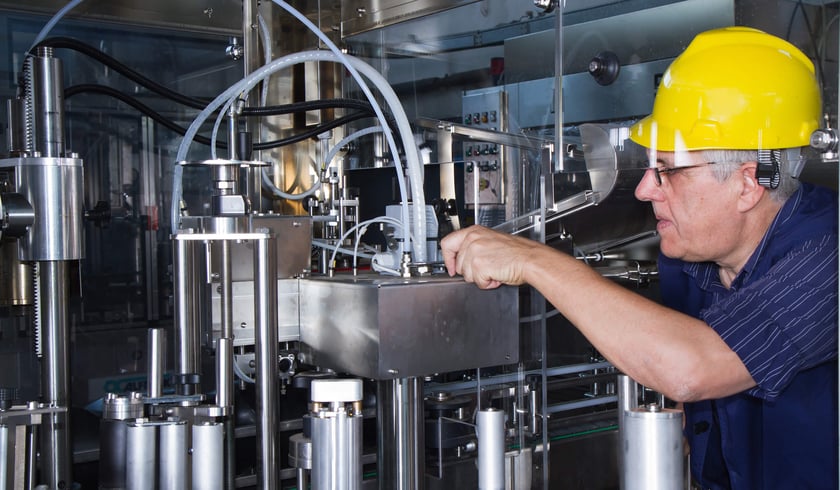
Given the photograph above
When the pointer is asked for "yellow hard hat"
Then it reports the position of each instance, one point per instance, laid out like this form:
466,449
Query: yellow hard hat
733,88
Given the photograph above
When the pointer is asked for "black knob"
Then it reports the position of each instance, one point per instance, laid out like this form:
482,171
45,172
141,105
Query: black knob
605,67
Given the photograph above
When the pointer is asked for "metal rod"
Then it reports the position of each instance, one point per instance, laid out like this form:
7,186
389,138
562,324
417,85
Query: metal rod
56,455
399,414
227,291
31,476
157,356
265,316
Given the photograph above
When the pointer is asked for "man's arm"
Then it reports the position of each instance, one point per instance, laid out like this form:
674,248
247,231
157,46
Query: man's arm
675,354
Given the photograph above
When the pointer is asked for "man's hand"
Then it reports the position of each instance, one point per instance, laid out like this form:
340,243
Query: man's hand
487,258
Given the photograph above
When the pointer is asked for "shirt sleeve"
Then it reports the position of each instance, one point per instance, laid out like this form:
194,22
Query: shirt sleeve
786,321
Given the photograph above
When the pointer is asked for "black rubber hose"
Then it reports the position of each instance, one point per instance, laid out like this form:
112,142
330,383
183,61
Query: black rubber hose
312,133
156,116
70,43
195,103
143,108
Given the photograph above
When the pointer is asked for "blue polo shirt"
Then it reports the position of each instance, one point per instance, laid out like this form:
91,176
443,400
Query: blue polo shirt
780,317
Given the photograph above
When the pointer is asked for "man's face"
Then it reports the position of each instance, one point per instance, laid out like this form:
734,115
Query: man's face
696,214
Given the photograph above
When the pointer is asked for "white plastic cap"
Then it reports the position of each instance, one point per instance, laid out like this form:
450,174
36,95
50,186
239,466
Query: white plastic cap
336,390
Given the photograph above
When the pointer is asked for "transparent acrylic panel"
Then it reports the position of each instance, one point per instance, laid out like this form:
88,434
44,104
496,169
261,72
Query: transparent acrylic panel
479,81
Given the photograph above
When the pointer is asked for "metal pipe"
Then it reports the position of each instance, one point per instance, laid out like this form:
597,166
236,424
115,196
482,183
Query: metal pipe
157,366
207,468
56,455
265,316
399,414
490,429
172,462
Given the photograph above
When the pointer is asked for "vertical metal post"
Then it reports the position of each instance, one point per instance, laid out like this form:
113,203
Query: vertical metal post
628,399
56,455
399,414
251,186
157,357
224,362
265,316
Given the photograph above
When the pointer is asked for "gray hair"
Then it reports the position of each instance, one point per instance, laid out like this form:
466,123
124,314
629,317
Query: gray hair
728,161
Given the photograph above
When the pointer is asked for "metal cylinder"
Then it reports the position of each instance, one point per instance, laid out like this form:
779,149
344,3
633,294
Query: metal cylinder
44,90
54,189
490,429
157,361
336,434
207,460
116,412
141,455
15,127
265,316
186,321
401,449
7,456
16,287
300,457
652,449
173,463
336,449
224,372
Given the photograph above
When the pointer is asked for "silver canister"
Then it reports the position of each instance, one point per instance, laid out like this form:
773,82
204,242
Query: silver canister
652,449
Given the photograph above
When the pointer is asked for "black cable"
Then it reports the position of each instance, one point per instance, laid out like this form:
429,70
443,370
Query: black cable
195,103
148,111
70,43
312,133
143,108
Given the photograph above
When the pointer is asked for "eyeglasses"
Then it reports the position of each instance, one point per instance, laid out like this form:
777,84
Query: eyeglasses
657,172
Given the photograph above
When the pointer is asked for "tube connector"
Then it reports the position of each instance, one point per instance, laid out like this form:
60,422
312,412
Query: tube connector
405,265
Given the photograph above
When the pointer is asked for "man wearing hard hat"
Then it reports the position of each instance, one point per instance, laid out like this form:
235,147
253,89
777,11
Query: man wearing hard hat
748,267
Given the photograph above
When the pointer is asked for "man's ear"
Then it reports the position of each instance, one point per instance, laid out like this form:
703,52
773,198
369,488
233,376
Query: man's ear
751,191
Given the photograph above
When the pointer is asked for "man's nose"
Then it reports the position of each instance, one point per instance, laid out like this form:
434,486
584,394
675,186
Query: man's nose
647,190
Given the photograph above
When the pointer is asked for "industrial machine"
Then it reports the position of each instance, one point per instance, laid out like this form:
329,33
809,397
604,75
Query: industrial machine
220,224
